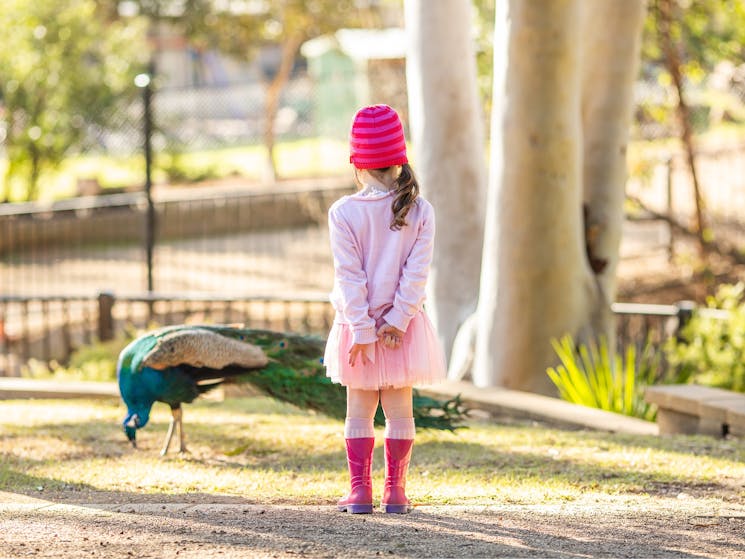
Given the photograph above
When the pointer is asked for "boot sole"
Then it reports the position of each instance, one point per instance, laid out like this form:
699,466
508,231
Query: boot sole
356,509
396,509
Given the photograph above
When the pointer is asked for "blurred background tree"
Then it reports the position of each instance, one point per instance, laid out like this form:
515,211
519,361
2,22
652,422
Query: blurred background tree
63,70
708,32
686,42
245,30
286,23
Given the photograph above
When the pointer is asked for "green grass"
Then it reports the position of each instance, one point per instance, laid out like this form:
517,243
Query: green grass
259,450
303,158
311,157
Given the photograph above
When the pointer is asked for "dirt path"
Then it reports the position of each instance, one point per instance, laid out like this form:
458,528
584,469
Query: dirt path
649,528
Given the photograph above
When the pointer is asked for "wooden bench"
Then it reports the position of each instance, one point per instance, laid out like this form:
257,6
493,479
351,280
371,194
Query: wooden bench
692,409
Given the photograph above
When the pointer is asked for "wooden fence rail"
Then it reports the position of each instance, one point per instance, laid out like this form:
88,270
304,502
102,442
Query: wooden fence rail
49,328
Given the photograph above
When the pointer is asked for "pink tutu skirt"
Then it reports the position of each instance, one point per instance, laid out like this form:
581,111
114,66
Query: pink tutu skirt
418,360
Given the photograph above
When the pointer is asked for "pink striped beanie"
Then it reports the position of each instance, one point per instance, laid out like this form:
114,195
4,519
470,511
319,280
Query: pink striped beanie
377,138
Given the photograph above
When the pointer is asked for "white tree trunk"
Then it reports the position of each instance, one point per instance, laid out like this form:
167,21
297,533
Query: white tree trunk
537,282
448,141
610,71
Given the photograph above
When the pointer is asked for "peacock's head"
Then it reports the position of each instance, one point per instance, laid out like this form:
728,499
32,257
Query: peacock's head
134,420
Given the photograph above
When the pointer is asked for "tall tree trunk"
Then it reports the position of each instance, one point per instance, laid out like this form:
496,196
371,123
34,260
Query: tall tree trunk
448,139
534,283
610,70
672,62
290,48
542,266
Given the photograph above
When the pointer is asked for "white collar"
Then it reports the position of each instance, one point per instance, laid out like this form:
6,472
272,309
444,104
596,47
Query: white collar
373,188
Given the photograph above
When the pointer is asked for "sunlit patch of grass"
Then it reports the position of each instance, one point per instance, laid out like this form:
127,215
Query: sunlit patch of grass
301,158
260,450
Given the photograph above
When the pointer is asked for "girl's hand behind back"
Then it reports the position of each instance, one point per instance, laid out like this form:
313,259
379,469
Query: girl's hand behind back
390,335
359,351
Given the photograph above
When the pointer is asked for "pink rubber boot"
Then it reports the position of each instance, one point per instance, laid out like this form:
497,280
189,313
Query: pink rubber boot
359,458
397,457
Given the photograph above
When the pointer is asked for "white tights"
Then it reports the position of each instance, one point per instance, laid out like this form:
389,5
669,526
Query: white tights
397,406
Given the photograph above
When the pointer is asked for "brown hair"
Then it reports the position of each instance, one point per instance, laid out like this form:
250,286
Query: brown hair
405,188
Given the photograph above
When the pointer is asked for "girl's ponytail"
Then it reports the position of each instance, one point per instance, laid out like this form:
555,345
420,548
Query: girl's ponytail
405,194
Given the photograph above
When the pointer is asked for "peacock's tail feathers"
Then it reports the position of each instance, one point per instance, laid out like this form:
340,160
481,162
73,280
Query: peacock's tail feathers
430,413
303,388
286,366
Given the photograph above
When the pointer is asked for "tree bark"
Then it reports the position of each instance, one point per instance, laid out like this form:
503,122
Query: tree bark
545,273
672,61
610,71
534,283
290,48
448,139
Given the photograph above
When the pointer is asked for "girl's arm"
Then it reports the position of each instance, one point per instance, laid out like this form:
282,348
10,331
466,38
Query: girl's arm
410,292
351,279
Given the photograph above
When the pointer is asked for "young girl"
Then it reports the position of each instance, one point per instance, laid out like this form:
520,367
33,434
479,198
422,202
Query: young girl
381,343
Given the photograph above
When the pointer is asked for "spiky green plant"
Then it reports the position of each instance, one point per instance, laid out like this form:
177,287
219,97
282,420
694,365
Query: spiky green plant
590,375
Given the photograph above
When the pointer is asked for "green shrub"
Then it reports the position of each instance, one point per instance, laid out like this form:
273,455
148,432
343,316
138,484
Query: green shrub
710,349
95,362
590,376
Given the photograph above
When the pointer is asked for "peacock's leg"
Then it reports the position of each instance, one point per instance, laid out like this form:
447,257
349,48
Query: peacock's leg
175,417
178,415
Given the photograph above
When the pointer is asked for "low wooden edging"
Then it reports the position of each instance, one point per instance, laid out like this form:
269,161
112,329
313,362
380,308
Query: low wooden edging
525,405
12,388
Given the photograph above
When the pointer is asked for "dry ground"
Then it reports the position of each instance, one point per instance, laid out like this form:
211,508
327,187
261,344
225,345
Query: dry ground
669,528
70,487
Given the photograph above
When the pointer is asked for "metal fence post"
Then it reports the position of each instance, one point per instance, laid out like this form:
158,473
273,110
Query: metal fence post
684,314
144,81
105,316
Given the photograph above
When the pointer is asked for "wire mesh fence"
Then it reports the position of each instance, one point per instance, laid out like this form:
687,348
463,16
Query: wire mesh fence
240,243
234,239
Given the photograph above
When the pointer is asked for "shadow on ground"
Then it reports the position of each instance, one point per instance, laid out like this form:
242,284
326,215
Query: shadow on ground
210,530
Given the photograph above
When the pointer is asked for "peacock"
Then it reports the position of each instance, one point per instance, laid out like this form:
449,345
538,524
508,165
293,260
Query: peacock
177,364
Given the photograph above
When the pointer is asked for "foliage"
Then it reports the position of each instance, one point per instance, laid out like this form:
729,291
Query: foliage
242,33
484,14
705,33
62,71
178,170
430,413
271,31
93,362
591,376
708,32
710,349
242,28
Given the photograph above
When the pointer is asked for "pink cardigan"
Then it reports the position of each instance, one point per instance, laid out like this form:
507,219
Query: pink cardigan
379,274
